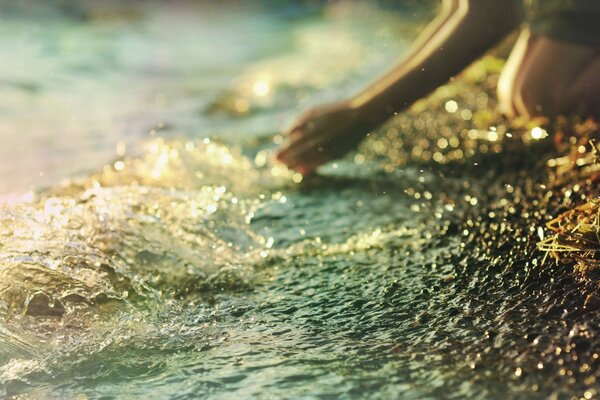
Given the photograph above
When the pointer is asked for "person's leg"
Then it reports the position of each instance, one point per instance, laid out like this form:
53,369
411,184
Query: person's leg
546,77
508,78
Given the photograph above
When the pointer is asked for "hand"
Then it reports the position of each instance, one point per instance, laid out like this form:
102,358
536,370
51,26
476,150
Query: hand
323,134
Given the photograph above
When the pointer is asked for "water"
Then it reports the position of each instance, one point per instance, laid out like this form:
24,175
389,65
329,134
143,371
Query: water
89,88
192,266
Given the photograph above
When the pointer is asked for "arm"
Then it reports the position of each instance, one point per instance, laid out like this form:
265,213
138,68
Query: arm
468,30
460,34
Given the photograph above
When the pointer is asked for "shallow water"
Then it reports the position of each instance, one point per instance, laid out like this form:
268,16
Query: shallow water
192,266
100,79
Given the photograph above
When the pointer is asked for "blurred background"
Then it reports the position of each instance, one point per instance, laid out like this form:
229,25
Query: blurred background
196,268
84,82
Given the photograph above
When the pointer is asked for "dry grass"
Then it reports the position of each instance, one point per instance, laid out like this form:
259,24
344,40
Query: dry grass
576,236
576,233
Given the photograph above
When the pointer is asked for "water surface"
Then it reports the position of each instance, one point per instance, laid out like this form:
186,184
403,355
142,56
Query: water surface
181,262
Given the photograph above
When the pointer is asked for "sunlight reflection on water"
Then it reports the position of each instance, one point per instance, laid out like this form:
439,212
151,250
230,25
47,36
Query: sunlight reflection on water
184,263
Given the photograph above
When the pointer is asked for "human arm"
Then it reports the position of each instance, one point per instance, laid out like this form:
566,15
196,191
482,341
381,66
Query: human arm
462,32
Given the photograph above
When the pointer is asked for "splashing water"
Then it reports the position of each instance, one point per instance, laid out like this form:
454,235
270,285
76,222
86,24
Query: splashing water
198,268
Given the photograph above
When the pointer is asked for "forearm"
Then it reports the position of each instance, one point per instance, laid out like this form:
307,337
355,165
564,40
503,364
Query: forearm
461,34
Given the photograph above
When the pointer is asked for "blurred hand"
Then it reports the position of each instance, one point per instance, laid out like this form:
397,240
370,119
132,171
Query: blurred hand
323,134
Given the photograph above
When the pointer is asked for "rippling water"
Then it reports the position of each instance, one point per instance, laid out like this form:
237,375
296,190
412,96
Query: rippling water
191,265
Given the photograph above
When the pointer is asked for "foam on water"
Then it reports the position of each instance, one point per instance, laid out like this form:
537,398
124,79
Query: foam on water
199,268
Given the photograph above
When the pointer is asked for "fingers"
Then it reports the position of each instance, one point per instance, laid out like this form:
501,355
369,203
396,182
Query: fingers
297,142
310,168
286,152
308,154
303,155
309,143
303,150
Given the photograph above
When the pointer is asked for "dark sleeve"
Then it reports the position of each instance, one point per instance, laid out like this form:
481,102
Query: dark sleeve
576,21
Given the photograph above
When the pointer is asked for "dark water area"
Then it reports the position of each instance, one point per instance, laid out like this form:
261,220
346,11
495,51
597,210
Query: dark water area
198,268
